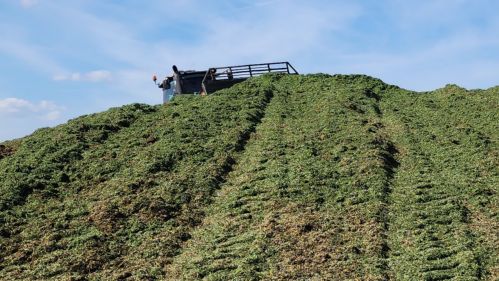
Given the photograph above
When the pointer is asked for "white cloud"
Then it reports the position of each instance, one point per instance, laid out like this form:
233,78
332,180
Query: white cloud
45,110
53,115
28,3
97,75
91,76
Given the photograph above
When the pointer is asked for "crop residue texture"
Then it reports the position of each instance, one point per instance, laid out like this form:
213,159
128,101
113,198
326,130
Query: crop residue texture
312,177
115,194
446,186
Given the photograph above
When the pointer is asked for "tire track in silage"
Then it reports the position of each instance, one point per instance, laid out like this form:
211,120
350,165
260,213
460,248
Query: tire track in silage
223,253
429,236
388,153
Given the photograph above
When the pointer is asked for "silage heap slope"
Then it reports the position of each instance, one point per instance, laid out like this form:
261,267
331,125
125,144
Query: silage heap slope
308,197
444,217
115,194
279,178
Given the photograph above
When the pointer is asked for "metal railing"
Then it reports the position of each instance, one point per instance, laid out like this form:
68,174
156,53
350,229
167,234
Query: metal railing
242,72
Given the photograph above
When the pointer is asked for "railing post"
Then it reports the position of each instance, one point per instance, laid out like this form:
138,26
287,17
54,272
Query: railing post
251,73
287,67
290,66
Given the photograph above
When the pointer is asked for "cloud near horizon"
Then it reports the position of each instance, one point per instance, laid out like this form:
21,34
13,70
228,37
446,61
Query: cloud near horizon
91,76
21,108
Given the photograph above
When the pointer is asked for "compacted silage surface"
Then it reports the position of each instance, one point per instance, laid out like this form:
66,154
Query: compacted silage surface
311,177
444,214
114,195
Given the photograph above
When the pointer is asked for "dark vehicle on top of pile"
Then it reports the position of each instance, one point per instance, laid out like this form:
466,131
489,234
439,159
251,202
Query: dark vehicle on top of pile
215,78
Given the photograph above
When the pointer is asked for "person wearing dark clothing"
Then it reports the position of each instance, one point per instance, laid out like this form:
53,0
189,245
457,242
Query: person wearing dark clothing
213,74
230,76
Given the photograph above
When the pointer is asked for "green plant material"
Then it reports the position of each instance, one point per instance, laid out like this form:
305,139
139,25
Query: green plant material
307,197
312,177
446,185
111,194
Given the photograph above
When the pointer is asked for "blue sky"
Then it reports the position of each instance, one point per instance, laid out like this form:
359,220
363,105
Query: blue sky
60,59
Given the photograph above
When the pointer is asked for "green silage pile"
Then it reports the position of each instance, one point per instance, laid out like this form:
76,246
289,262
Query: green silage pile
446,186
308,197
311,177
115,194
